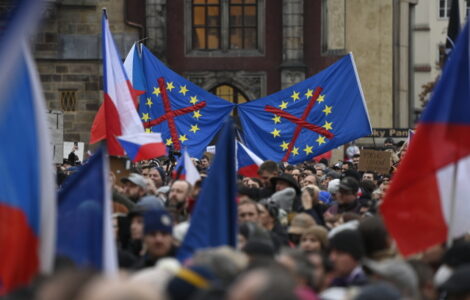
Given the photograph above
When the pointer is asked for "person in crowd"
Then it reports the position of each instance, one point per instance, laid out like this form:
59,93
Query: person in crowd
299,224
178,200
311,204
314,239
346,198
346,252
248,211
158,239
135,186
267,170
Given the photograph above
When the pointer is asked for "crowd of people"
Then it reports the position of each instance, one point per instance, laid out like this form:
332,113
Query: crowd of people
307,231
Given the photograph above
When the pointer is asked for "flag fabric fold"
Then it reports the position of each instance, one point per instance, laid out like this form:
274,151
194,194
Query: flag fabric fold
84,217
143,146
311,117
214,220
185,169
27,186
117,115
186,115
247,162
427,201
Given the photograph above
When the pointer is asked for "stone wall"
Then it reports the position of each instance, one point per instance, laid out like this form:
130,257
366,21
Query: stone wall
69,59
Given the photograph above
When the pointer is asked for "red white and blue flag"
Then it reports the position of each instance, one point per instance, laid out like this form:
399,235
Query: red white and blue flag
117,115
143,146
247,162
427,202
185,169
27,187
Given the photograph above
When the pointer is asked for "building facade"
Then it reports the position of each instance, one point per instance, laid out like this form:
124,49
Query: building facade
238,49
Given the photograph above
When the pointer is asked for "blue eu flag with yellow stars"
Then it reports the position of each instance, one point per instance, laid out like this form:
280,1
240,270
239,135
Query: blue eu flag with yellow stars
186,115
309,118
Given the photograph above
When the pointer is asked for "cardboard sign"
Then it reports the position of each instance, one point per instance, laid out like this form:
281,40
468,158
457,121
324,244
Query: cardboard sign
377,161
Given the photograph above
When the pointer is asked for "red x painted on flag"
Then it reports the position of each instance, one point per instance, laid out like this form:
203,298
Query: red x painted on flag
170,114
301,123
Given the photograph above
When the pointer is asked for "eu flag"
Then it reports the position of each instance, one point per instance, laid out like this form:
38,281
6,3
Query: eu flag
309,118
185,114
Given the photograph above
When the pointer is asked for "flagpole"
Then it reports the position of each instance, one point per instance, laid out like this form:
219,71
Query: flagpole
452,205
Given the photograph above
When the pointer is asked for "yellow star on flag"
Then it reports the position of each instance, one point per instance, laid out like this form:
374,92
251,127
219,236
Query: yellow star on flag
183,138
295,151
276,132
193,100
308,149
170,86
295,96
194,128
169,142
321,140
284,145
276,119
156,91
145,117
327,125
327,110
283,105
309,94
149,102
148,130
183,90
197,114
321,98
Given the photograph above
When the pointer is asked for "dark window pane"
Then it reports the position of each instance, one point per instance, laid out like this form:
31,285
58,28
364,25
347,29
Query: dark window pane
213,1
199,15
236,1
250,38
250,16
199,1
236,16
213,39
199,38
250,1
213,16
236,38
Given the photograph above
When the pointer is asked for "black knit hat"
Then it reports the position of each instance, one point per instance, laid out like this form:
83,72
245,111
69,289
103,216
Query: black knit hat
348,241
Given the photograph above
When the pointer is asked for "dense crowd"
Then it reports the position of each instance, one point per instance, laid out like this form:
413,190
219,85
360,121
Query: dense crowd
307,231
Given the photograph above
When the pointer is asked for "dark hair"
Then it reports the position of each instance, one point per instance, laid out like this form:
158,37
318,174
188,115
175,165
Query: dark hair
268,166
374,234
289,168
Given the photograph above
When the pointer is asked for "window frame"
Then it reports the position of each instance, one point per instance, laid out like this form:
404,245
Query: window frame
446,9
225,50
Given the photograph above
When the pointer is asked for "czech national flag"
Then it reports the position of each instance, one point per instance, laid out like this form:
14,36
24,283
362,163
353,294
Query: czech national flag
427,202
185,169
117,115
247,162
143,146
27,185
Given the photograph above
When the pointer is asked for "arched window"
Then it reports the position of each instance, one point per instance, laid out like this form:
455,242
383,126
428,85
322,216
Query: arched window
230,93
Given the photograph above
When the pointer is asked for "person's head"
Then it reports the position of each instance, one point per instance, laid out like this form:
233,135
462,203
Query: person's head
158,229
205,162
137,227
297,262
346,251
299,224
252,182
268,170
347,192
375,236
283,182
355,159
157,176
296,174
268,214
145,171
314,238
135,186
347,165
180,192
308,180
368,175
309,196
248,212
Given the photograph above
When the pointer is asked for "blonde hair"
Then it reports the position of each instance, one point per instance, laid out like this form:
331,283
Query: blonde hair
320,233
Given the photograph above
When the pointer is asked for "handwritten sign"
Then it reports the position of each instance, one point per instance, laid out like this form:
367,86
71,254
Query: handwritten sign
377,161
